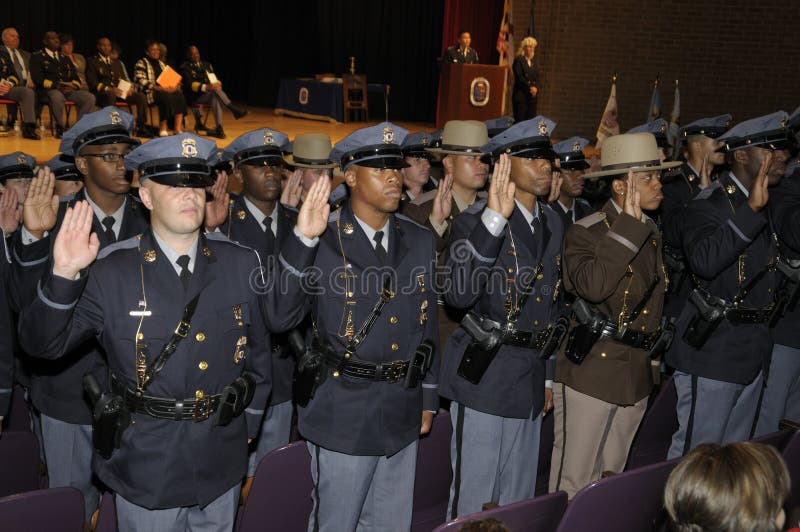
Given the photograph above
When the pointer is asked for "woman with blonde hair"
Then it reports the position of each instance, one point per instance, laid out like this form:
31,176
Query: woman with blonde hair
526,76
721,488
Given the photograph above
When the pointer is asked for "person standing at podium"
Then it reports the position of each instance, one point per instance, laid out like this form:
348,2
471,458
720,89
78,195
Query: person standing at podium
526,76
462,53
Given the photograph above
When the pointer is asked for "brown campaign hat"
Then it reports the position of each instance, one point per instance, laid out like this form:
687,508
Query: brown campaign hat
462,137
311,150
631,151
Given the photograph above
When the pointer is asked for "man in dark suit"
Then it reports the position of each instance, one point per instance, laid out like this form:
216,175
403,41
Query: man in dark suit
572,163
103,75
194,399
462,53
15,68
56,79
363,458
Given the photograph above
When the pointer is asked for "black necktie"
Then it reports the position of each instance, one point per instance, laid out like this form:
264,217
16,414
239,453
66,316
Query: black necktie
185,274
268,233
536,226
380,251
108,223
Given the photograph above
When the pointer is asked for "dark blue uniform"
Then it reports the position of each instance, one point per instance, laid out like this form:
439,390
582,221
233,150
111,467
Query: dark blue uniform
580,209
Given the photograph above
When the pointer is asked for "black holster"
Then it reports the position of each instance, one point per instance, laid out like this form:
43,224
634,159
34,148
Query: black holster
557,334
110,417
481,350
310,372
710,312
583,336
419,364
664,340
677,269
235,398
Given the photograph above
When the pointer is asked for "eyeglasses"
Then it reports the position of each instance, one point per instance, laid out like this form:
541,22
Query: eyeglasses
107,157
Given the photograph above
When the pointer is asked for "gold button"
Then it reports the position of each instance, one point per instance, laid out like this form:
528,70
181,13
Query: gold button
536,322
200,337
395,347
347,356
644,327
511,270
393,320
603,355
335,373
645,312
350,294
540,276
199,394
140,336
203,365
538,299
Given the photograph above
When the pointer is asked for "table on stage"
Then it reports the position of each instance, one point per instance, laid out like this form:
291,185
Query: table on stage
320,100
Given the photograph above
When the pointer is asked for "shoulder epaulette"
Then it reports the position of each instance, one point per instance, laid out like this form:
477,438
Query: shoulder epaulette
706,192
424,197
409,220
592,219
476,207
129,243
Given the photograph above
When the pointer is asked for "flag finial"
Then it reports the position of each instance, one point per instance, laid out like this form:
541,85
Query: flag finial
614,78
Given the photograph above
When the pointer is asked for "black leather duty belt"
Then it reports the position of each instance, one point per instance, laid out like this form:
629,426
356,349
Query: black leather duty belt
358,369
519,337
194,409
637,339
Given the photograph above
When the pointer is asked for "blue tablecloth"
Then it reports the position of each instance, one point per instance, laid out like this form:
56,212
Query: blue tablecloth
309,98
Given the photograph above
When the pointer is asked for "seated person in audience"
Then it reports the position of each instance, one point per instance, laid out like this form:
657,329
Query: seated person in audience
170,100
116,53
56,80
197,75
103,73
728,488
67,50
14,68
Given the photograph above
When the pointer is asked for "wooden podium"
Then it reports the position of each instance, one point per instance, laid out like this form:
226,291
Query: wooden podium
471,92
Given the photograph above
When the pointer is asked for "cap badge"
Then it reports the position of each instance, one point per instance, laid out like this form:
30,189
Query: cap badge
424,140
730,189
115,117
268,138
576,146
783,122
510,122
189,148
663,127
543,132
388,135
21,160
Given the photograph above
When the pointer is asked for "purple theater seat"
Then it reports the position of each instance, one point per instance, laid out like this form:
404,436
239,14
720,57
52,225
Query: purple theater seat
791,453
107,516
432,484
50,510
19,415
654,436
631,501
19,467
541,514
778,439
280,496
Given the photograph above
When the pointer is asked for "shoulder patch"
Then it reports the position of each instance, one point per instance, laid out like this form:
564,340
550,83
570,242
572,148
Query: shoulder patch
706,192
424,197
592,219
130,243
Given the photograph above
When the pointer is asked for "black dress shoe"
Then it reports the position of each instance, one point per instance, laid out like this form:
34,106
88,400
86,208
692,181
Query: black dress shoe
29,132
200,128
217,132
59,132
237,110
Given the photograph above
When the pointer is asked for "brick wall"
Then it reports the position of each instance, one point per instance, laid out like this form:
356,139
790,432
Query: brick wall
731,56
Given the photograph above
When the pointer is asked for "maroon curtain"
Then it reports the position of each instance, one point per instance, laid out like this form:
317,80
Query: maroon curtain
481,18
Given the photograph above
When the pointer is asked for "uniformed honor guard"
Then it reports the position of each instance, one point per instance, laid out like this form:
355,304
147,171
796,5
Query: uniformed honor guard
181,318
705,157
503,262
572,165
68,179
98,141
368,386
417,175
723,338
609,363
257,220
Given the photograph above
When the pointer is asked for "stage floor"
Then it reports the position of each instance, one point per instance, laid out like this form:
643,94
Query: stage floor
43,150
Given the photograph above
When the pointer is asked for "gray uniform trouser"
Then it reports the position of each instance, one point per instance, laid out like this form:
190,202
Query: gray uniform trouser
782,393
26,100
711,411
362,493
494,459
84,101
218,516
68,455
276,430
217,100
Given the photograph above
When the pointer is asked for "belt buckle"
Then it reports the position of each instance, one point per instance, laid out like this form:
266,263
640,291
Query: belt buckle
202,409
182,329
393,372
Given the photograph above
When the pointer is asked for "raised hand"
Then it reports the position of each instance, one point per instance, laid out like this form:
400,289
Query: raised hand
759,195
443,200
9,211
632,198
76,246
292,189
555,186
501,190
705,175
40,210
217,208
313,217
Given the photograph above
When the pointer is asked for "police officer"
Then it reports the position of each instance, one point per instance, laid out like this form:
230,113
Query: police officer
417,175
658,128
257,220
462,53
373,395
612,264
703,158
572,164
309,160
723,340
100,141
495,126
507,248
68,179
179,463
16,173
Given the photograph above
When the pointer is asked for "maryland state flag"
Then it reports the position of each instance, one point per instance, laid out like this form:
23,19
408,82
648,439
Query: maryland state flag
673,131
608,124
655,103
505,38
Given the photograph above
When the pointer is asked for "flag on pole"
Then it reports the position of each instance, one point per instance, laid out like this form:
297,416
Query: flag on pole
505,38
655,103
673,131
608,123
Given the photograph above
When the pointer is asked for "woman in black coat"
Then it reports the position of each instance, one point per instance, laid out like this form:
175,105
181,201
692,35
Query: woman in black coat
525,79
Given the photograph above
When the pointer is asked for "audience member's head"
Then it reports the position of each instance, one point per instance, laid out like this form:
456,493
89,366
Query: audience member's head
163,49
116,50
152,49
10,38
67,43
104,46
721,488
51,41
484,525
193,54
